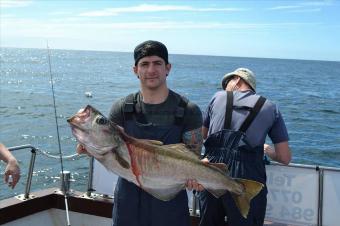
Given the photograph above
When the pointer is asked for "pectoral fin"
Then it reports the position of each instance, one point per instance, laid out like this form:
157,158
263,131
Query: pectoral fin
122,161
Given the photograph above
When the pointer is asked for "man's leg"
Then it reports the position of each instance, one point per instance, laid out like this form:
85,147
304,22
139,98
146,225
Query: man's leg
256,213
211,210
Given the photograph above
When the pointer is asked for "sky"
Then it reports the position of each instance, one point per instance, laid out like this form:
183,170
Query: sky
271,29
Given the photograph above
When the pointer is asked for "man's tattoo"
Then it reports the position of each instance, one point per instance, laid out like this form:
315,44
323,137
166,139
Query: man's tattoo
193,140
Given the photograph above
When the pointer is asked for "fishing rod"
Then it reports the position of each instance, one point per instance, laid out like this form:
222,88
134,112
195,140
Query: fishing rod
57,126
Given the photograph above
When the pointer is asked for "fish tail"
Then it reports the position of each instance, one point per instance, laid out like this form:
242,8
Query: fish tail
252,188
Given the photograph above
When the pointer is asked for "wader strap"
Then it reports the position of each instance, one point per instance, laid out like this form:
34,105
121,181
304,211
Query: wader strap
229,110
252,114
133,107
180,111
129,106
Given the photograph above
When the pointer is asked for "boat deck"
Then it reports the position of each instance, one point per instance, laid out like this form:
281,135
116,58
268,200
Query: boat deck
14,209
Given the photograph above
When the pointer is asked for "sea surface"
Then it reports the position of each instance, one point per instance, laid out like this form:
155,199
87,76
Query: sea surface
307,93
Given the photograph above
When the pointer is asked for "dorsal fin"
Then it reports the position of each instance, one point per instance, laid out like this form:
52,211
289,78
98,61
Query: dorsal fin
154,142
122,161
180,147
220,166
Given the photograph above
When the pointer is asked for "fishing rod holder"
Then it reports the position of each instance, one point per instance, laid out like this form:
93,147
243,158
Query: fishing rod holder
65,180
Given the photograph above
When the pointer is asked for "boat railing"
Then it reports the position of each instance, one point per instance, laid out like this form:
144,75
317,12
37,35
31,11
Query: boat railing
31,166
34,152
298,194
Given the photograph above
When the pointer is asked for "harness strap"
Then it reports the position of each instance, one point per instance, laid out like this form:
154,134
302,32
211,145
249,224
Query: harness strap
253,112
180,111
131,107
229,110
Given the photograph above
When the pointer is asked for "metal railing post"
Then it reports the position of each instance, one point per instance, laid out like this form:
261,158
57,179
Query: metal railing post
30,173
320,198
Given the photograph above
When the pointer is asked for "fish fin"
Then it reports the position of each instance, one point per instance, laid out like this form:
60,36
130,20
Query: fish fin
252,188
165,194
217,193
220,166
182,148
122,161
154,142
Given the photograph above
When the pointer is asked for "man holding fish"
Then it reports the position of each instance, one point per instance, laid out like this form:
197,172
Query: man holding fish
159,114
152,140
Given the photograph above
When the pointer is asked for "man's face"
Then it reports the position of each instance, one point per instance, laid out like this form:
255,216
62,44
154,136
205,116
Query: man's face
152,71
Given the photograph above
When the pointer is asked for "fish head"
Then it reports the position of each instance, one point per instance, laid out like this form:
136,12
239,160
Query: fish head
94,131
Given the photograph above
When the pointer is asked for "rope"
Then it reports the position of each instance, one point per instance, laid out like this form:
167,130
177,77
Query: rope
44,153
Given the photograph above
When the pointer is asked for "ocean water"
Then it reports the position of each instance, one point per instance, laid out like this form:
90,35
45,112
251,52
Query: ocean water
307,93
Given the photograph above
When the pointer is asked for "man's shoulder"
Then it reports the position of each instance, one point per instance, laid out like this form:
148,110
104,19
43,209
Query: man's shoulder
188,103
178,97
192,115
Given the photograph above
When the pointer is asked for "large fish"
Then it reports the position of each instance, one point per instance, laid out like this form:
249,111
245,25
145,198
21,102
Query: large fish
161,170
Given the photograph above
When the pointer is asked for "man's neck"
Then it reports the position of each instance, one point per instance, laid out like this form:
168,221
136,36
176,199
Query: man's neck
154,96
243,87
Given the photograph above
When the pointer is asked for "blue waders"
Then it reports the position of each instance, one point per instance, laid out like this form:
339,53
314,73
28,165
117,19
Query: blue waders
243,161
132,205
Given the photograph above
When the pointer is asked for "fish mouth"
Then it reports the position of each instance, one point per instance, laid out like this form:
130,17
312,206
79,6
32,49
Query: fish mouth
82,116
74,125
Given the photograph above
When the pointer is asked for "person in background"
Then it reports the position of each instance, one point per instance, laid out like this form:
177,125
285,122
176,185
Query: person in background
12,171
226,113
157,113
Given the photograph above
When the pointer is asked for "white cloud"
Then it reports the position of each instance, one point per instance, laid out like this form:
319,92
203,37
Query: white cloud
305,10
303,6
146,8
79,29
320,3
285,7
14,3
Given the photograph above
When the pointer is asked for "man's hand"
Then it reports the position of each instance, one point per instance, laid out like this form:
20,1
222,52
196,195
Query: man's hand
12,173
205,160
81,150
268,150
192,184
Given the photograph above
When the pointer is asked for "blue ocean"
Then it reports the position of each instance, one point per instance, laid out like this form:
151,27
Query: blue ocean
307,93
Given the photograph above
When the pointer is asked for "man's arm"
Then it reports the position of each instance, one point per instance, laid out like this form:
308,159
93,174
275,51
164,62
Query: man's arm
193,140
12,168
280,153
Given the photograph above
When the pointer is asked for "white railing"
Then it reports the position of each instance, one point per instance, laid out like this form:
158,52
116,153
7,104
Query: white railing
297,194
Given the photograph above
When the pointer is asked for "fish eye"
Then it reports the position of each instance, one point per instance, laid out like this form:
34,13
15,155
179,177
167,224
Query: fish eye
101,120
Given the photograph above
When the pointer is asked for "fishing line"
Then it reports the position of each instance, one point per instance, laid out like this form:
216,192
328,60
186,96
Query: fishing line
56,122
